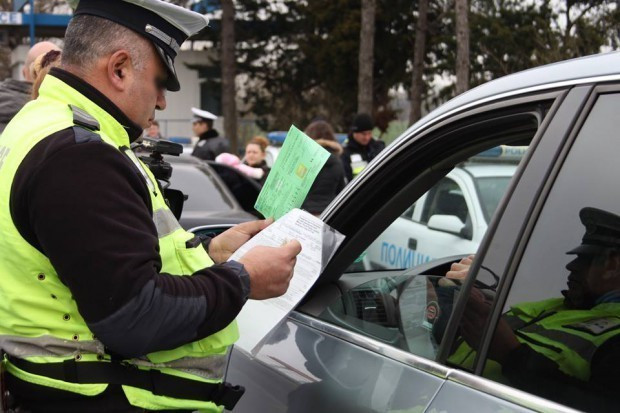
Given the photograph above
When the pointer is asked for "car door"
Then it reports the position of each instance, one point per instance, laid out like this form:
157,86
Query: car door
365,340
525,258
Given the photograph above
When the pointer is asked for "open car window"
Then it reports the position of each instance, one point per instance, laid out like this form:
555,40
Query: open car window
396,291
452,217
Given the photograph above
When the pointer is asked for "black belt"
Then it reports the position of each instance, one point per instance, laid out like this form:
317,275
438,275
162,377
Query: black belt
160,384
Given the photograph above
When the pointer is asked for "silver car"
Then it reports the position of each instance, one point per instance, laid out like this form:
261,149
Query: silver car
389,340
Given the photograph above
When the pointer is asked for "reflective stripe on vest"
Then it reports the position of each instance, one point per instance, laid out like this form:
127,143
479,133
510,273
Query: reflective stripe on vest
547,326
39,320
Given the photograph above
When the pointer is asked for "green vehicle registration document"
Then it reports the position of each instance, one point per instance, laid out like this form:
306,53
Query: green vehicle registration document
299,162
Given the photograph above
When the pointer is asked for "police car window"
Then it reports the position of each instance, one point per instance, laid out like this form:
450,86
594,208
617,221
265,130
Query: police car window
450,219
446,198
559,334
490,191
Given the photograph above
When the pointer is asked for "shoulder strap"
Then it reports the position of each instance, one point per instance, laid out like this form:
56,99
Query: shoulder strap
83,119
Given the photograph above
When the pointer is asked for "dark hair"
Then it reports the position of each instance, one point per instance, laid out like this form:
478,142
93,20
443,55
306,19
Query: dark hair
362,122
320,129
261,141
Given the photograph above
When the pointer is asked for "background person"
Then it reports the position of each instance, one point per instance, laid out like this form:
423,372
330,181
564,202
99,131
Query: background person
234,161
152,131
255,156
96,275
330,180
40,67
360,148
210,144
14,94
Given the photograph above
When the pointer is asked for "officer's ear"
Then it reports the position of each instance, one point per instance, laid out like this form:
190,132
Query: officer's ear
118,67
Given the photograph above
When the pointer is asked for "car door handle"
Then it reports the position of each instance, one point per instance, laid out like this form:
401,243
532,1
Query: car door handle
413,244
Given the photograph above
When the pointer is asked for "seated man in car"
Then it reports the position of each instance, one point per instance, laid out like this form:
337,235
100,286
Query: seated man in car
567,348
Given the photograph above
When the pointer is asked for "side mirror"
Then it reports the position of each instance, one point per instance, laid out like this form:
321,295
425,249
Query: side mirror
446,223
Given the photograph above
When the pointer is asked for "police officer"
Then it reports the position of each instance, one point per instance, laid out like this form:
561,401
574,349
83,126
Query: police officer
210,144
106,303
566,349
360,148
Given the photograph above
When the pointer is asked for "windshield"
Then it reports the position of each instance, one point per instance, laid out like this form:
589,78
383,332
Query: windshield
491,190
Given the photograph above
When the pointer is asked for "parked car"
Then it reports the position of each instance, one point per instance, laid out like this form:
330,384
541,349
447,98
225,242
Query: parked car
209,199
371,340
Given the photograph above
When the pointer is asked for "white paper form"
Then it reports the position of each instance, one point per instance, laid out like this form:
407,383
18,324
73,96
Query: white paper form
318,242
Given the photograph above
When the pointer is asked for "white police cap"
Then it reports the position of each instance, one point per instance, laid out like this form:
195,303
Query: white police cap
200,114
166,25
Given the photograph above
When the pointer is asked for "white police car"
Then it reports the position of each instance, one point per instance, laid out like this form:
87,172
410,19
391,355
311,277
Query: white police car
452,217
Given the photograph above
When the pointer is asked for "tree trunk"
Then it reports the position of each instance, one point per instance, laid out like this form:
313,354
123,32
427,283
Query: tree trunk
419,51
366,57
462,46
229,106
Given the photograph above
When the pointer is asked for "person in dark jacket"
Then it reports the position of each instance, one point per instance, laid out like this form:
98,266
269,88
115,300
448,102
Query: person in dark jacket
330,181
360,148
210,143
255,156
14,94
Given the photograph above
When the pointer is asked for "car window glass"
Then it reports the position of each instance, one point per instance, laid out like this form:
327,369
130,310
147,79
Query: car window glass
400,311
408,212
203,194
490,190
559,333
410,310
454,215
446,198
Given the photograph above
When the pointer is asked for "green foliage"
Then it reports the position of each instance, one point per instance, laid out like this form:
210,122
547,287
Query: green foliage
300,58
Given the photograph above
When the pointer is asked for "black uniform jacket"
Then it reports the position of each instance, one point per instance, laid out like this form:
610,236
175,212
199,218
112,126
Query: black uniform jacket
368,153
210,145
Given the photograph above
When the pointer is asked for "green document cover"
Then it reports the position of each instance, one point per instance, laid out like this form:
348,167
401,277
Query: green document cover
299,162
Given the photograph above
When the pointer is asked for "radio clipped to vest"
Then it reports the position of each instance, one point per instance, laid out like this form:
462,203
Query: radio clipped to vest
161,169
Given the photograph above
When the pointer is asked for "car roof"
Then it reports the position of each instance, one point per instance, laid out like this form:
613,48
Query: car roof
600,67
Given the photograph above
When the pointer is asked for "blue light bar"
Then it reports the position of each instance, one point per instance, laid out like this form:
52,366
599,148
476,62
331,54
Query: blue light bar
277,137
502,153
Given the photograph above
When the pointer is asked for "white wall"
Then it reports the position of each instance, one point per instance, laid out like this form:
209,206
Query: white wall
18,57
176,119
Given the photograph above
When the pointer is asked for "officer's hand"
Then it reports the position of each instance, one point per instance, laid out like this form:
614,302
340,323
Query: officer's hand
270,269
473,322
223,246
459,270
474,318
